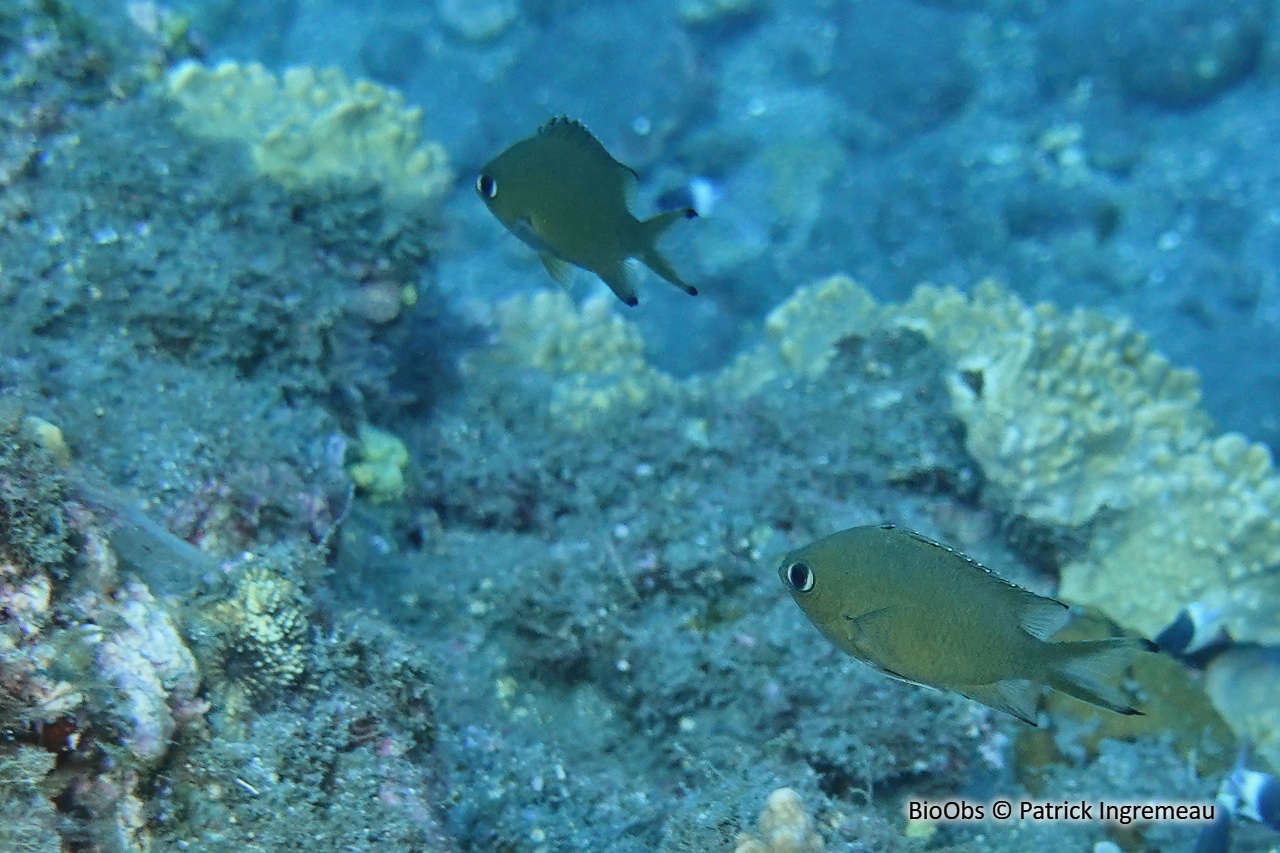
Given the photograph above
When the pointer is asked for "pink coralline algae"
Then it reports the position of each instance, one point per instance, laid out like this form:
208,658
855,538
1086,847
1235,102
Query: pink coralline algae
147,661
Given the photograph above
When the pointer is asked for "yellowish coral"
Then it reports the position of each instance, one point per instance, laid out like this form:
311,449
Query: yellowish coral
802,334
378,469
595,358
1064,411
784,827
48,436
312,126
256,642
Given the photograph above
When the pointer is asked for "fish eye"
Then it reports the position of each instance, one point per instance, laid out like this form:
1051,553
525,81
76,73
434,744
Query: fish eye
799,577
486,186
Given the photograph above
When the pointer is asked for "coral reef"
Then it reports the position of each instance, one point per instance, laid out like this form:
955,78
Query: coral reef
1068,416
310,127
1076,423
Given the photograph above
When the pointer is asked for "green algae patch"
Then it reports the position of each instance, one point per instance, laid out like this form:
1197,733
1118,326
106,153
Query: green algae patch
311,127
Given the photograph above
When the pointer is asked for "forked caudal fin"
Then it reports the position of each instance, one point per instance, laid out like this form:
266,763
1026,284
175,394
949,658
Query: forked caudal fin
650,231
1094,671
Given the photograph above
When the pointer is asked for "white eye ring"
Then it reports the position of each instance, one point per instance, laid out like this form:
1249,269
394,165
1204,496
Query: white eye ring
799,577
486,186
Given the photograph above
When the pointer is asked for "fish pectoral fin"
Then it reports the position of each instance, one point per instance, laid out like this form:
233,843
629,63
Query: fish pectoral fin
858,626
1014,696
561,271
523,228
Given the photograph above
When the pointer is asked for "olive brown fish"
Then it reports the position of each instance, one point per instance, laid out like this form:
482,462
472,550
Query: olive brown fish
925,613
565,196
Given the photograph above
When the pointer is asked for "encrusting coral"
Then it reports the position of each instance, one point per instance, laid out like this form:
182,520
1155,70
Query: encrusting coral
312,126
594,357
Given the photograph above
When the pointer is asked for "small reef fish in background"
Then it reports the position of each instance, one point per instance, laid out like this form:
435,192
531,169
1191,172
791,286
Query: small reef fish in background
565,196
1244,793
925,613
1195,633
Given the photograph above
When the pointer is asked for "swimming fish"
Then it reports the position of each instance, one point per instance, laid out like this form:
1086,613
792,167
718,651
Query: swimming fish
565,196
925,613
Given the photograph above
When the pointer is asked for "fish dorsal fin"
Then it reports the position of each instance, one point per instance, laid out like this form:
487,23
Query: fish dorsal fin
1041,617
575,132
920,537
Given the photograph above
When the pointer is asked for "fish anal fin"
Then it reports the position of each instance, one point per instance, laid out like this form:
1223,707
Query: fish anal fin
1013,696
1041,617
560,271
618,277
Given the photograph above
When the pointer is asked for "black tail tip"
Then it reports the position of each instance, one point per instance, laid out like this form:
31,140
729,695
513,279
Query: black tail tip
691,290
631,301
1131,712
690,213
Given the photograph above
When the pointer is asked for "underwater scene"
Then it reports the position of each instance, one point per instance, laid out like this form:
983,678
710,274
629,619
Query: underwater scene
692,426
